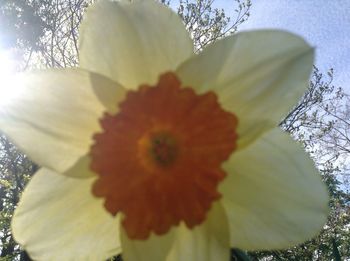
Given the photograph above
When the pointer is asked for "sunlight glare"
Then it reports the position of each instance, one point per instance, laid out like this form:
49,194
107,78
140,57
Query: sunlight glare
8,90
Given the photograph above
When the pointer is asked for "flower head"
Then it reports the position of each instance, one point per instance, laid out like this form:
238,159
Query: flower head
150,150
160,157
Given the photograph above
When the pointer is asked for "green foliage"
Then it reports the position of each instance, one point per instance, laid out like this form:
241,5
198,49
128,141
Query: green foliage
15,171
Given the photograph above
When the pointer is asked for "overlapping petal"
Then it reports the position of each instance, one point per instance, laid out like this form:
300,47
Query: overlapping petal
206,242
155,248
209,241
273,194
54,117
132,43
59,219
257,75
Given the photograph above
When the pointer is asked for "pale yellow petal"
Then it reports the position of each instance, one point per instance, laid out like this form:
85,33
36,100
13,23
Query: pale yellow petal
273,194
109,92
155,248
209,241
258,75
81,168
56,113
59,219
132,43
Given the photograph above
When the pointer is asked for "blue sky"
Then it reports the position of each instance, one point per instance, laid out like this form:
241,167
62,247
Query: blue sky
324,23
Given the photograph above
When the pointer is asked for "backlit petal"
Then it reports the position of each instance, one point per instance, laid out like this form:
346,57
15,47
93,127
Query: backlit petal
56,113
207,242
258,75
133,43
155,248
273,194
59,219
81,168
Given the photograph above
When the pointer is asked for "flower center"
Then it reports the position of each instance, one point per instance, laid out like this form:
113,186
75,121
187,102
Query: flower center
158,160
162,149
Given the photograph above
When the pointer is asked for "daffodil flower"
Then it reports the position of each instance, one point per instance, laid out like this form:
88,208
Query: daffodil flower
155,152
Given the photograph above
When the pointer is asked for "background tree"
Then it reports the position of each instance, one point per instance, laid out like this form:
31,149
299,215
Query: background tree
20,23
15,170
207,24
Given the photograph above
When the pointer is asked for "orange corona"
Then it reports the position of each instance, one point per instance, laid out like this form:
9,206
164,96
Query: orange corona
158,160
